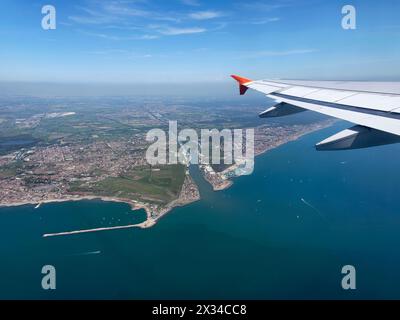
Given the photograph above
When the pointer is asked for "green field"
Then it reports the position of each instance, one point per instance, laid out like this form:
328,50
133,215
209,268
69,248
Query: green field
159,185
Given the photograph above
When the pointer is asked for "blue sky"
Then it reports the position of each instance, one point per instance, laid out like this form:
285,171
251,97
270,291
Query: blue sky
155,41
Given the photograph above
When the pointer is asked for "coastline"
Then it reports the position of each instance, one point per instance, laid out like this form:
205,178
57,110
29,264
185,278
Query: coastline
150,221
134,205
156,213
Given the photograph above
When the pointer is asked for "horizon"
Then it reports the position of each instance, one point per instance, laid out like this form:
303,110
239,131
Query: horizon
211,90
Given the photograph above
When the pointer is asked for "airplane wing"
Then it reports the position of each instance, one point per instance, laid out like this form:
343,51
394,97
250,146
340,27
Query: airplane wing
373,106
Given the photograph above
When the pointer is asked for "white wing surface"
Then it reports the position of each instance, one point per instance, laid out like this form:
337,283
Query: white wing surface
373,106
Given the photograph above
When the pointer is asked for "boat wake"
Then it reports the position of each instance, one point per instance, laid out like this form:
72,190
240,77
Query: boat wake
312,207
89,253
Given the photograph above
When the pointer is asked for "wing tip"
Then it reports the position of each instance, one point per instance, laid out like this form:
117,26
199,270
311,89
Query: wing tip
240,79
242,83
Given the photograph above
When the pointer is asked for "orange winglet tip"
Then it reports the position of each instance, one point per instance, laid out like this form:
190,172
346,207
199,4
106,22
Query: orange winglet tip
242,81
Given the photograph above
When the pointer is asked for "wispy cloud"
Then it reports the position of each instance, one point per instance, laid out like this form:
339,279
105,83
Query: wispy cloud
140,17
119,38
118,9
117,12
206,15
266,21
89,16
174,31
148,37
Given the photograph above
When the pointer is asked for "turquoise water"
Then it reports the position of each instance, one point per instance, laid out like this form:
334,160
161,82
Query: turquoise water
258,239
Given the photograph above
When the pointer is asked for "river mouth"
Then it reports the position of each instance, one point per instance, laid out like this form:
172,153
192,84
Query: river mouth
10,144
204,187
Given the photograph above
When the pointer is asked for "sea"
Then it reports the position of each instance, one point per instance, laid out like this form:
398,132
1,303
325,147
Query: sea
284,232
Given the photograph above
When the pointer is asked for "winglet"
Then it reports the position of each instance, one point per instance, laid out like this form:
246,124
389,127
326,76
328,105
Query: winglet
242,83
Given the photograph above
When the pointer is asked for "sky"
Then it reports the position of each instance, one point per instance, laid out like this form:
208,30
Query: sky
191,41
